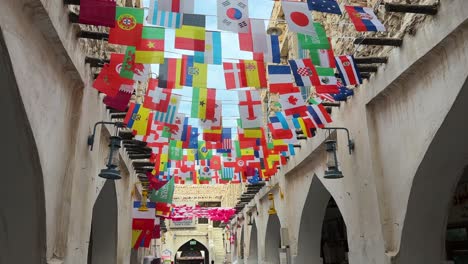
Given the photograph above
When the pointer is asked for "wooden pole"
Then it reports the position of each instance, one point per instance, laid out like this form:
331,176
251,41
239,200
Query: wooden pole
417,9
379,41
71,2
95,62
369,60
365,75
73,17
368,68
92,35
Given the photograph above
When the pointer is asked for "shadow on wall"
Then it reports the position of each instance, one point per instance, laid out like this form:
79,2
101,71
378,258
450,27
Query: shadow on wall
22,201
253,245
273,240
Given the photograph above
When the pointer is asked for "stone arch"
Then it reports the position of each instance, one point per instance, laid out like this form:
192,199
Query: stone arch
22,200
198,247
253,244
272,240
103,238
310,229
423,231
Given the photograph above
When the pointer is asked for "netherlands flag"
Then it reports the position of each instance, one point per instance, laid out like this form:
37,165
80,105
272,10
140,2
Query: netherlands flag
364,19
348,70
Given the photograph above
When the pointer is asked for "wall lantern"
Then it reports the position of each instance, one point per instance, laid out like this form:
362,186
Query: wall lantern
111,172
250,218
143,204
333,171
272,209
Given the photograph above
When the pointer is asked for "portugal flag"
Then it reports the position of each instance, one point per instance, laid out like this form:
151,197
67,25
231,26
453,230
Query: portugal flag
128,26
150,49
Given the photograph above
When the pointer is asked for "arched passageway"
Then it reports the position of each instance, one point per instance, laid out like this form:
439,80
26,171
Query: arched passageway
322,233
241,246
22,201
423,233
273,240
192,252
253,245
103,238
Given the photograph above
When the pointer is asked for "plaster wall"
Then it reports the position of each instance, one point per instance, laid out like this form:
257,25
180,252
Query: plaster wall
61,109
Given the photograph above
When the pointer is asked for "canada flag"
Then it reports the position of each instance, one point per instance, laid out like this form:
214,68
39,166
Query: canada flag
292,103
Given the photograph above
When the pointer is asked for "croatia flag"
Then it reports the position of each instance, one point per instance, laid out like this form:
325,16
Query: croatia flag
348,70
304,72
364,19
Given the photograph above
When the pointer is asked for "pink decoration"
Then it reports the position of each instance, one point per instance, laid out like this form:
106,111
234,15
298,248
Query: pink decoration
182,212
98,12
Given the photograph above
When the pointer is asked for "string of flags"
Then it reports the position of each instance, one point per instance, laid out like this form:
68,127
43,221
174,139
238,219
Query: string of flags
210,153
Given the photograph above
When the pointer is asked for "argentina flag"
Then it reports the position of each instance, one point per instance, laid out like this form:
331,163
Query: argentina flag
165,19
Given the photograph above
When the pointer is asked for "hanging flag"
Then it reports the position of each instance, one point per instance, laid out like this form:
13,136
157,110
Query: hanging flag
175,150
233,15
304,72
137,118
128,26
227,174
157,98
253,74
319,115
328,81
273,53
213,50
165,19
364,18
150,48
279,79
191,140
191,36
170,115
318,40
292,103
213,134
279,129
109,81
245,40
323,57
226,137
232,75
299,18
177,127
217,120
193,74
121,99
203,103
349,72
169,73
324,6
250,109
203,152
98,12
126,67
179,6
163,198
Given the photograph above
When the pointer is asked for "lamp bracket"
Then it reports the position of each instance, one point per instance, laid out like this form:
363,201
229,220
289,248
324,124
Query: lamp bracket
91,137
350,141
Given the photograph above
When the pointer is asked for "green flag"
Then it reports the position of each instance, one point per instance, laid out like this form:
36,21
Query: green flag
164,194
317,41
176,152
203,152
128,64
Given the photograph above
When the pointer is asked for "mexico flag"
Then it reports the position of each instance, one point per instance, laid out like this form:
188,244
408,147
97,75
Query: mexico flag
128,26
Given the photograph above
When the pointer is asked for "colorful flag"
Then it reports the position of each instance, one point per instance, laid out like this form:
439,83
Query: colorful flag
121,99
232,75
227,174
150,49
292,103
179,6
304,72
364,18
157,98
325,6
169,73
191,138
317,40
250,109
217,120
253,74
214,134
213,50
193,74
299,18
323,57
125,66
226,137
273,53
98,12
163,198
203,103
203,152
176,152
165,19
233,15
319,115
109,81
191,36
177,127
128,26
279,127
137,118
170,115
279,79
328,81
349,72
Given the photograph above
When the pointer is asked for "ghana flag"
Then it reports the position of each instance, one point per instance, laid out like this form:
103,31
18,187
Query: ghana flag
128,26
150,49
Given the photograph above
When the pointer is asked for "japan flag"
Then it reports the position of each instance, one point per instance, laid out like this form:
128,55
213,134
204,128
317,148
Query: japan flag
298,17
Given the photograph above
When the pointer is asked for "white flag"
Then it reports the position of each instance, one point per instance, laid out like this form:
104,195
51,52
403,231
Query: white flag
233,15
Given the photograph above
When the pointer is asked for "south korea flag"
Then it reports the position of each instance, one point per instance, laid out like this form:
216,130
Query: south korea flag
233,15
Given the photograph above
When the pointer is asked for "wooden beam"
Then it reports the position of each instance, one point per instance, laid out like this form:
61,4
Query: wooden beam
92,35
417,9
139,156
365,75
73,17
71,2
95,62
331,104
368,68
369,60
379,41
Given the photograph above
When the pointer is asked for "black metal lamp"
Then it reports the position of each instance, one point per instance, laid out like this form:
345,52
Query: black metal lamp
332,171
110,172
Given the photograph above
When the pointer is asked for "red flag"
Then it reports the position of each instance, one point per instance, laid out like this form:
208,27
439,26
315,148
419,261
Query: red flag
109,81
98,12
215,162
232,75
121,99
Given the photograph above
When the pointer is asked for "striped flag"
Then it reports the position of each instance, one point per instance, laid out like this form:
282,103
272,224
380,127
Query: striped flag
213,50
253,73
170,115
191,36
279,79
226,137
165,19
137,118
179,6
304,72
273,53
364,18
232,75
319,115
203,103
349,72
323,57
227,174
193,74
328,81
169,73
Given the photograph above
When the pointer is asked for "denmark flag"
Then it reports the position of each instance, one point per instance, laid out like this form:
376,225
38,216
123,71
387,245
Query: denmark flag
232,75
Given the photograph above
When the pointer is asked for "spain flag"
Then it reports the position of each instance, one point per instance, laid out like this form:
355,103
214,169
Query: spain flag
253,74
